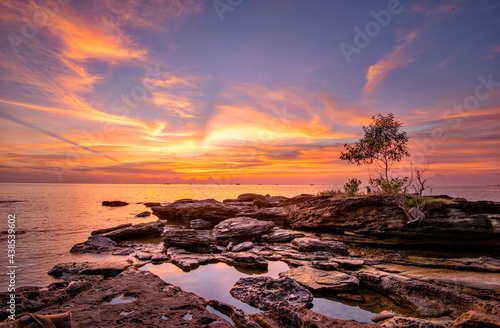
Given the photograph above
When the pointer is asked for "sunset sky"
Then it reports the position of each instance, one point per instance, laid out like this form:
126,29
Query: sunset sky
244,91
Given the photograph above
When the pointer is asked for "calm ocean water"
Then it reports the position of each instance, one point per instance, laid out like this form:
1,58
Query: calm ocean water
56,216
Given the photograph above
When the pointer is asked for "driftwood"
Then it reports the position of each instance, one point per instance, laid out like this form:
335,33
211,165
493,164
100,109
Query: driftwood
31,320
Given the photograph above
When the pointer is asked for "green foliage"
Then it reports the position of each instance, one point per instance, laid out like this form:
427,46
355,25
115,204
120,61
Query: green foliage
388,186
382,143
351,187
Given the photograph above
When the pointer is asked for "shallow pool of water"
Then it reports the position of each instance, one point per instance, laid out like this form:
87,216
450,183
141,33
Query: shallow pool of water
214,281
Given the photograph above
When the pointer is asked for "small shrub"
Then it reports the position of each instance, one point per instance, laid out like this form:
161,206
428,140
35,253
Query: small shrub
351,187
331,193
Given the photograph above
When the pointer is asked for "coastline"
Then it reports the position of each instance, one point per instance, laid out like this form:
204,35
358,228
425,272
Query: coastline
378,254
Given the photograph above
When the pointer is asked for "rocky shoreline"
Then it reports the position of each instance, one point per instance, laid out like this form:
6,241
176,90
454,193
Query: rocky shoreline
439,271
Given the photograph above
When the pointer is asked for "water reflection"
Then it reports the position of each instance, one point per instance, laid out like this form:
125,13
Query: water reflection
214,281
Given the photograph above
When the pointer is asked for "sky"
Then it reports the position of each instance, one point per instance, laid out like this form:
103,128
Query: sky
240,91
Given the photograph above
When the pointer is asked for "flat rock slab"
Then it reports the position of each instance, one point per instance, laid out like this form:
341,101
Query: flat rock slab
245,260
107,269
245,246
188,261
320,281
425,299
114,203
101,245
262,292
282,315
101,231
241,227
137,299
307,244
188,237
277,235
185,210
137,231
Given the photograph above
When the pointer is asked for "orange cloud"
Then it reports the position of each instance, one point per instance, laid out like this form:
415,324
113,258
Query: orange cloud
399,57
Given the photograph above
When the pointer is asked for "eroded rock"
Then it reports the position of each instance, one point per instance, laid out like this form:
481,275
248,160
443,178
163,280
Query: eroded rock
277,235
137,231
262,292
69,270
282,315
100,245
114,203
241,228
321,281
312,244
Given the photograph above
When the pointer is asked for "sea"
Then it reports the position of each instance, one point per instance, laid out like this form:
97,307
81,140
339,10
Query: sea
51,218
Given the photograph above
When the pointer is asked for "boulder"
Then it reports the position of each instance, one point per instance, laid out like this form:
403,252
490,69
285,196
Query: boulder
244,246
249,197
241,227
260,203
416,214
283,315
262,292
69,270
324,265
476,319
188,237
347,263
114,203
200,224
188,261
137,231
100,245
277,235
408,322
143,214
307,244
187,210
101,231
245,260
150,204
321,281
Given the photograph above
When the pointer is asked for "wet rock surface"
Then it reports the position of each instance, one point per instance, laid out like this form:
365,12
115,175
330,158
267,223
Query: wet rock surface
322,281
312,244
282,315
241,228
150,303
262,292
100,245
137,231
188,237
420,270
114,203
106,269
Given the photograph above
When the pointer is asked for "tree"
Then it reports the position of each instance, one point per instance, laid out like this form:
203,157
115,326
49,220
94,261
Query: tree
383,145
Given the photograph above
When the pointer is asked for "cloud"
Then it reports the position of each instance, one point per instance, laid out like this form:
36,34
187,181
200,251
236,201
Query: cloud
54,135
400,56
